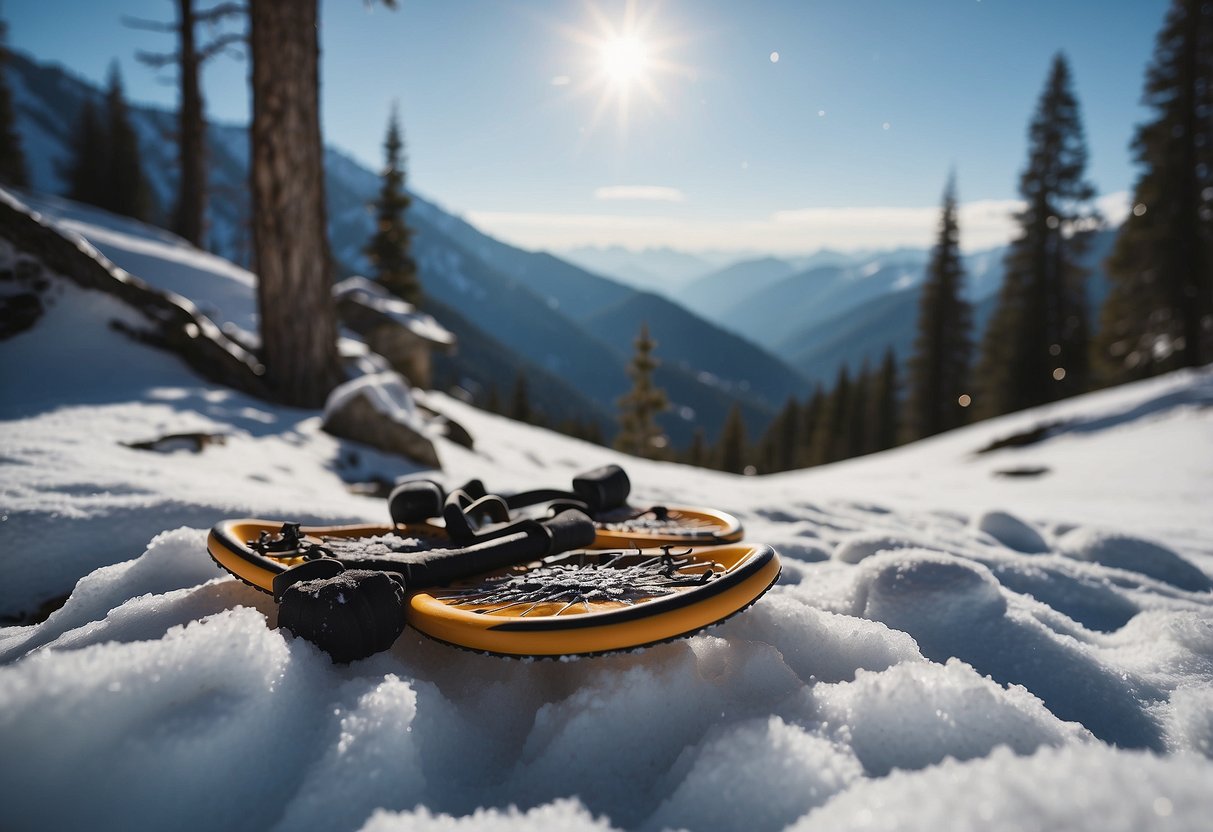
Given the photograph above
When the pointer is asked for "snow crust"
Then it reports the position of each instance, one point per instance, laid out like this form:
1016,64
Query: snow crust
373,296
947,649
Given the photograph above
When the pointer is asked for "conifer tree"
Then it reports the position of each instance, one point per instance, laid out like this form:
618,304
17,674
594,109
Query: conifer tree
126,188
492,402
520,401
85,169
639,433
12,158
939,368
883,405
388,249
189,213
697,453
810,426
857,439
832,437
1159,312
777,448
1036,346
731,449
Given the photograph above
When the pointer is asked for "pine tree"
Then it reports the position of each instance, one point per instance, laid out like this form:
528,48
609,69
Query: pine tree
492,402
731,449
388,249
697,452
833,437
857,439
810,427
292,256
777,448
126,188
520,401
86,166
939,368
1036,345
1159,312
12,158
189,213
883,405
639,433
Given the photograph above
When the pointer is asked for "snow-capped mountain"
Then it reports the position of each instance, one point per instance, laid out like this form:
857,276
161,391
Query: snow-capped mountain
518,311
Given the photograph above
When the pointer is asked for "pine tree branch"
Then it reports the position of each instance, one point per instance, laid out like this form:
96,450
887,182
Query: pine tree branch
158,60
223,44
148,25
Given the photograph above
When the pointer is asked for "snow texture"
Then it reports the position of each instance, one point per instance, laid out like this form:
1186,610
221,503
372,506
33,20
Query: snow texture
947,648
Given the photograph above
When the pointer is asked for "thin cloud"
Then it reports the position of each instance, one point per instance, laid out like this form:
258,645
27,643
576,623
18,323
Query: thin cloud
983,224
642,193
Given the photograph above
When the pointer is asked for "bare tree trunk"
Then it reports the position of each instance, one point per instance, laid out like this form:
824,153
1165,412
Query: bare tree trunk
191,196
290,236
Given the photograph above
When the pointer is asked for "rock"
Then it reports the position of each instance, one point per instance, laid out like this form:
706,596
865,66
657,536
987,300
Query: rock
378,410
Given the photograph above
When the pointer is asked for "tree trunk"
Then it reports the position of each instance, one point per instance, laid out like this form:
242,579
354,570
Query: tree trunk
290,238
191,138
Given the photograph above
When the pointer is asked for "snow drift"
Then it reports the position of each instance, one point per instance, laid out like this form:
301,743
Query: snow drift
948,648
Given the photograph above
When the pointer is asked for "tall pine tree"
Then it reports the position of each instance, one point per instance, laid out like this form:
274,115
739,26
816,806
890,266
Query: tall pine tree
884,405
1159,312
639,433
1036,346
832,437
12,158
84,172
939,368
811,422
126,188
388,249
731,449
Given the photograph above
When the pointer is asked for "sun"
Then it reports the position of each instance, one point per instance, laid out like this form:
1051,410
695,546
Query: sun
625,59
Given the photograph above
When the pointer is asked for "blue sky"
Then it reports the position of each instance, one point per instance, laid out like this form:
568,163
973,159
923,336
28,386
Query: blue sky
845,140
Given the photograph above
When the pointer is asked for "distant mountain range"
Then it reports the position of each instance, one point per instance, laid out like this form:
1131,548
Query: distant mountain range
516,311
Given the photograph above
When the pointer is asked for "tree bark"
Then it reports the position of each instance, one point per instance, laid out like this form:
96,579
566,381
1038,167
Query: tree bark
191,197
290,237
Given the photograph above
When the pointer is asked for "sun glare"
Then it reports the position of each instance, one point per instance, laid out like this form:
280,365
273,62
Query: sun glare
624,59
623,56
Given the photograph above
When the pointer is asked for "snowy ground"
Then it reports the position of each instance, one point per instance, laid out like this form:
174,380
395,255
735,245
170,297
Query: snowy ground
950,647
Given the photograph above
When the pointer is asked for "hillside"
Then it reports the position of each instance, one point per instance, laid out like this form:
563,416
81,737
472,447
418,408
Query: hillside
1018,638
527,304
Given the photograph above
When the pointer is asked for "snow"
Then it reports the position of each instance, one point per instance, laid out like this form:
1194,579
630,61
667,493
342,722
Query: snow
947,648
374,296
387,392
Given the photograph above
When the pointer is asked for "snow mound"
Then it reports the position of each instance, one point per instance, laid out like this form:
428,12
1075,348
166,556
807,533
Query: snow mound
1011,532
1123,551
1087,788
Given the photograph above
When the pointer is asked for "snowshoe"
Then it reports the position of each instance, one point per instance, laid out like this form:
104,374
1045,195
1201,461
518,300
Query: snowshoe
602,494
530,590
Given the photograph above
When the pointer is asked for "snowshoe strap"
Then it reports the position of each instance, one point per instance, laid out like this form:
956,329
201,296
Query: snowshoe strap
603,488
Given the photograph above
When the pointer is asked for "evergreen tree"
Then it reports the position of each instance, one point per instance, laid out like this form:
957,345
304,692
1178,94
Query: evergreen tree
189,213
639,433
697,453
857,415
939,368
388,249
493,401
126,188
291,252
12,158
810,426
85,169
1159,312
883,405
520,401
832,437
777,448
1036,345
731,449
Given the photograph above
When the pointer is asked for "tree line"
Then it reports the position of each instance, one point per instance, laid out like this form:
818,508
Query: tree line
1038,347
